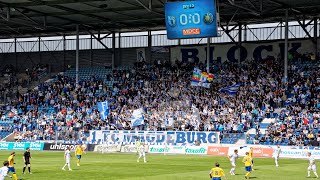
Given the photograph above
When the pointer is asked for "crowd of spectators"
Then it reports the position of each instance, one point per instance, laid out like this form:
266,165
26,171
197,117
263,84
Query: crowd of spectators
63,109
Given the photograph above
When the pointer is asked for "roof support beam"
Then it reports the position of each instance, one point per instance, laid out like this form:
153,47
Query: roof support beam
228,34
144,6
39,2
152,11
95,37
284,5
27,17
303,26
244,8
251,4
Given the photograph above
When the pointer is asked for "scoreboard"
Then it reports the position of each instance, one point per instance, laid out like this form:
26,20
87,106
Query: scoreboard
191,19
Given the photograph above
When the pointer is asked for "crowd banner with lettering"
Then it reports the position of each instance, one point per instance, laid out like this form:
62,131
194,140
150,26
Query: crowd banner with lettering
21,145
153,137
249,51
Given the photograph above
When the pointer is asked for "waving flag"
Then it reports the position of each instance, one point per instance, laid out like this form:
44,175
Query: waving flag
231,90
137,118
103,108
200,78
210,77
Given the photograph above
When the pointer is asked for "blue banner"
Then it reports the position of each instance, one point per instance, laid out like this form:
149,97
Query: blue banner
21,145
153,137
191,19
103,109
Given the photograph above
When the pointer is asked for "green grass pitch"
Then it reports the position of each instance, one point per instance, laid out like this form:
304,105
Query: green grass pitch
47,166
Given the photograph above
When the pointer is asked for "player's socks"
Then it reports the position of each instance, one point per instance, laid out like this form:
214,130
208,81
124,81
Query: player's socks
69,167
64,166
247,174
308,173
232,171
24,169
15,177
29,169
316,174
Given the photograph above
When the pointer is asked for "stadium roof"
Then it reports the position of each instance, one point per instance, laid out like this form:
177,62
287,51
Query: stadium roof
29,18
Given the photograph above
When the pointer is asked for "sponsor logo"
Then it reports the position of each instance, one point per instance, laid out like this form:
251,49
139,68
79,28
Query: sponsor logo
129,149
36,146
4,145
218,151
62,146
196,150
159,149
18,146
191,31
262,152
106,148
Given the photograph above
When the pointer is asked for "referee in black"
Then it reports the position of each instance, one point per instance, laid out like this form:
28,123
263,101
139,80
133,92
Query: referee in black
26,159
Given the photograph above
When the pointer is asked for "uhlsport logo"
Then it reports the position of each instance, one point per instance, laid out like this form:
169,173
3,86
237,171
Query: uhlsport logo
62,146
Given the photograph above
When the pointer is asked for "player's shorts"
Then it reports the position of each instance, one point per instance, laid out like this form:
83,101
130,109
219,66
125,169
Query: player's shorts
11,169
248,168
142,154
216,178
27,162
312,167
79,157
68,161
233,164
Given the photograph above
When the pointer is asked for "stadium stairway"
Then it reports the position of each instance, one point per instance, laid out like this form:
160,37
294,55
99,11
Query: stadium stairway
263,126
9,137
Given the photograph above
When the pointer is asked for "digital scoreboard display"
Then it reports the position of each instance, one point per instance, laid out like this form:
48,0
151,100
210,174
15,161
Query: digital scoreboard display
191,19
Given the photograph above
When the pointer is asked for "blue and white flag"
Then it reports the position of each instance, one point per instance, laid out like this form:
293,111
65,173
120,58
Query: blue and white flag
103,108
231,90
137,118
169,120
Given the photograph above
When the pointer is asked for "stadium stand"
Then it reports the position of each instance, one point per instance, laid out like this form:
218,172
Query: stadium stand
61,109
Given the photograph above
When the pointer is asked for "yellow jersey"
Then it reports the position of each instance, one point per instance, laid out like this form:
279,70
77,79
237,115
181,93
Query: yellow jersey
11,161
79,150
217,172
247,160
251,153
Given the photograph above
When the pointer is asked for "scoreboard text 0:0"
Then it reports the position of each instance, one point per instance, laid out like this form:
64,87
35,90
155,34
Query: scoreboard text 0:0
191,19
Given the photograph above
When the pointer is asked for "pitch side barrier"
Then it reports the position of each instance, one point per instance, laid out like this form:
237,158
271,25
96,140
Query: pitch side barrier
294,152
